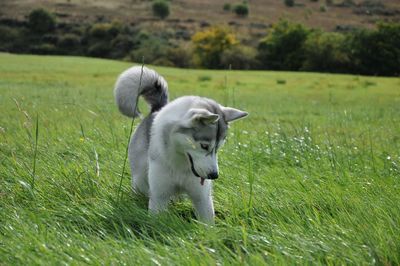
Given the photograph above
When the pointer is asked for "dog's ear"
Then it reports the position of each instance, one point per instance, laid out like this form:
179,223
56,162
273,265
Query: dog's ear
202,116
232,114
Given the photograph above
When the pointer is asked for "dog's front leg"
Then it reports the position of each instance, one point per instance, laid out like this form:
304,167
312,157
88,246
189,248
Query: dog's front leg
158,204
203,204
160,188
160,196
205,210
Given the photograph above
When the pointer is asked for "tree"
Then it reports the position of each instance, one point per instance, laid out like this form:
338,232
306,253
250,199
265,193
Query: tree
283,48
41,21
239,57
161,9
227,7
377,52
289,3
241,10
210,44
326,52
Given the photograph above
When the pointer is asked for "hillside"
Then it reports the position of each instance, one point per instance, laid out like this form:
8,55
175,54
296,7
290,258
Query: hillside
191,36
190,15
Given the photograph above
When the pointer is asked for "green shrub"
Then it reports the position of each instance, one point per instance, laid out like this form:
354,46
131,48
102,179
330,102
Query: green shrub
17,39
161,9
163,61
99,49
102,40
115,28
209,45
227,7
8,36
44,48
326,52
41,21
377,52
283,49
241,10
204,78
180,56
289,3
239,57
69,44
121,46
50,38
101,31
151,50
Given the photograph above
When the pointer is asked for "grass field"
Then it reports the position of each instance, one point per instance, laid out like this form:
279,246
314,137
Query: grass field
312,176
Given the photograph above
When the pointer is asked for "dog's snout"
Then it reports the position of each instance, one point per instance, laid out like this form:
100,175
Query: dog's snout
213,175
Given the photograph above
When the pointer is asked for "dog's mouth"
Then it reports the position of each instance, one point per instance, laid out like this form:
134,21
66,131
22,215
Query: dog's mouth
194,170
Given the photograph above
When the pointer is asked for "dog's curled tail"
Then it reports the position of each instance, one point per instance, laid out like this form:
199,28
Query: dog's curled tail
140,81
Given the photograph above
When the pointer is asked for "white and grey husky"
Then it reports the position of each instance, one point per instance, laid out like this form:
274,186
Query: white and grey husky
174,149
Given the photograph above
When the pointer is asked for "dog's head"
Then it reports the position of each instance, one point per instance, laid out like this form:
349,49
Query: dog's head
201,133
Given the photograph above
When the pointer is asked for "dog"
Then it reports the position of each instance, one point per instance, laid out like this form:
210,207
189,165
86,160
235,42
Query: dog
174,149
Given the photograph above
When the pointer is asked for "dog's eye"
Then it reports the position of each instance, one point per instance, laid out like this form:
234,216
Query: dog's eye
204,146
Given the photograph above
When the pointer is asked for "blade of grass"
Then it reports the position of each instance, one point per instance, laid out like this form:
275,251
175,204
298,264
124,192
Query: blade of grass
35,154
129,136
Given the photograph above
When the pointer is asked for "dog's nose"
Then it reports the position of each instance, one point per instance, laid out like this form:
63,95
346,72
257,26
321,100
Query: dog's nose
213,175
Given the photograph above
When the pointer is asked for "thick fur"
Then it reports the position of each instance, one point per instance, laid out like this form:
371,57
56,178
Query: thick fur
137,81
174,149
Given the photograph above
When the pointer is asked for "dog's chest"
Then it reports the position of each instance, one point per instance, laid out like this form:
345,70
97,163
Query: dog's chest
183,181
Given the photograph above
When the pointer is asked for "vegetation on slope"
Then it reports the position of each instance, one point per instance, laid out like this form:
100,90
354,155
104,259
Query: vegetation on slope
286,46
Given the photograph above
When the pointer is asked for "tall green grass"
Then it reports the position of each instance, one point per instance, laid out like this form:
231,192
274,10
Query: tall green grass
310,177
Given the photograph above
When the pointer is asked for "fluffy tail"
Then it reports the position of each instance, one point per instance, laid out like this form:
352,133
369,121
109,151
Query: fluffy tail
134,82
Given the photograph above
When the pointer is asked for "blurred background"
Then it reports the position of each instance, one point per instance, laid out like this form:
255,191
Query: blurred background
337,36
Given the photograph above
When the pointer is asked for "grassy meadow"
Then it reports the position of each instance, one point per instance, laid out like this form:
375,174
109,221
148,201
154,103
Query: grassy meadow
312,176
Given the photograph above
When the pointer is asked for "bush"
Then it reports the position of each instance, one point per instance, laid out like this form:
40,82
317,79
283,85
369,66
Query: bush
209,45
204,78
289,3
180,56
377,52
115,28
8,36
103,31
326,52
102,40
283,49
50,38
163,61
151,50
239,57
121,46
99,49
44,48
227,7
241,10
69,44
41,21
161,9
